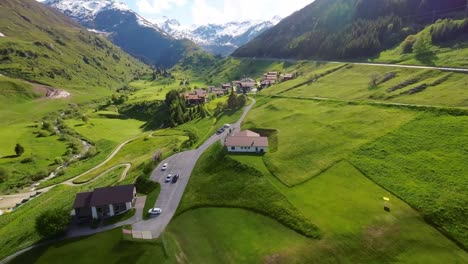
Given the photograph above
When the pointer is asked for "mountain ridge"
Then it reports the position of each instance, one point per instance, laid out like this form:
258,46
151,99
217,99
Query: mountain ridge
45,46
127,29
220,39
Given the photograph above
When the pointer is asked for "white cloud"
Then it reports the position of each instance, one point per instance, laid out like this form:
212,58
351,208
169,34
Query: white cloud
158,6
204,11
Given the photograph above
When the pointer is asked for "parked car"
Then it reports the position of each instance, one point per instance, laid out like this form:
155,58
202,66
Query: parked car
227,126
219,131
169,177
155,211
164,166
175,178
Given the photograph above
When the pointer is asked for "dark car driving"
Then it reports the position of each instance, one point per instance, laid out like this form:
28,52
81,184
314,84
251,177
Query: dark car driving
175,178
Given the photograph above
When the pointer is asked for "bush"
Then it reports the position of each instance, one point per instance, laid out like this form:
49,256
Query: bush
58,161
42,134
145,186
4,174
52,223
28,160
407,45
40,175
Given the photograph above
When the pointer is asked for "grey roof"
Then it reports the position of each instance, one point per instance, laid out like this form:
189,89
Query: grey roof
112,195
105,196
82,199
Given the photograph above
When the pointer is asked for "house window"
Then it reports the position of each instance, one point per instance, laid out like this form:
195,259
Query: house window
118,208
233,148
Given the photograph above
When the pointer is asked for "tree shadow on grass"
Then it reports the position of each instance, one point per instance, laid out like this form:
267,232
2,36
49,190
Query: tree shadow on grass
10,157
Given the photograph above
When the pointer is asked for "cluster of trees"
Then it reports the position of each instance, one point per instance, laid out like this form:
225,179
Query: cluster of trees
236,101
179,113
160,72
447,29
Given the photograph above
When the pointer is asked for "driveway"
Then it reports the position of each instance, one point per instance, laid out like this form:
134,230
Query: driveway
183,164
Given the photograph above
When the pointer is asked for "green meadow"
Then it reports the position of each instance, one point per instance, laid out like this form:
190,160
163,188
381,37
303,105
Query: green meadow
316,196
311,136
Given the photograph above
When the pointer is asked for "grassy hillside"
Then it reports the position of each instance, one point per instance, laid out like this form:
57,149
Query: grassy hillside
446,45
343,29
423,163
44,46
392,85
304,149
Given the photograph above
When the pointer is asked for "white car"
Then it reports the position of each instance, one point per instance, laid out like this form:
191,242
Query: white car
227,126
169,177
155,211
164,166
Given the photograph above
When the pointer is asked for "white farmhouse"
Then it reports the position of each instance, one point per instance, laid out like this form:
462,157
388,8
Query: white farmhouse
246,141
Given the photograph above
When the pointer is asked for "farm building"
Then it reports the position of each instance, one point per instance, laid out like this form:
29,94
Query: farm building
246,141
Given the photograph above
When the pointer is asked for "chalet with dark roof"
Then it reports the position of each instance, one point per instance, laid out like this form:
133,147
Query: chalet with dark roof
104,202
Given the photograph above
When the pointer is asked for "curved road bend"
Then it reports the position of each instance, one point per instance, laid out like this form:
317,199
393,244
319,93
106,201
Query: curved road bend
183,164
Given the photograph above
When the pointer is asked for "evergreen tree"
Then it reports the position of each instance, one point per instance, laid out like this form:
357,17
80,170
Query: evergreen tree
19,150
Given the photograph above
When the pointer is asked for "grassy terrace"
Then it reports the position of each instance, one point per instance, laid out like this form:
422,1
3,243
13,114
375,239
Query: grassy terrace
352,83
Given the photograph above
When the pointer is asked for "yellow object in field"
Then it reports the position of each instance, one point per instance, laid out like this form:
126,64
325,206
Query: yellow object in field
386,199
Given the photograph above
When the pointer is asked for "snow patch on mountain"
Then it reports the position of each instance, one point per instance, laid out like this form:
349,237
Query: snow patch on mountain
2,35
218,38
85,11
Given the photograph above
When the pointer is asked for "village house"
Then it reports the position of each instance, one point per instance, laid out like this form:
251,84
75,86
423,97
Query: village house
245,85
103,203
287,76
196,97
269,78
226,87
219,92
247,142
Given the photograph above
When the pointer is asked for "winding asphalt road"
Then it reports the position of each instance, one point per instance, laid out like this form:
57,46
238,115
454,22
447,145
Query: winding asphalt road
183,164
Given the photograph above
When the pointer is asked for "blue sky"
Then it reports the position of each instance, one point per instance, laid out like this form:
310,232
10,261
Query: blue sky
198,12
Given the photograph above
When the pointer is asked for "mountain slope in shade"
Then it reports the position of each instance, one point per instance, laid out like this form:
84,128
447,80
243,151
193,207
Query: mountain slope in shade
127,29
219,38
43,45
347,29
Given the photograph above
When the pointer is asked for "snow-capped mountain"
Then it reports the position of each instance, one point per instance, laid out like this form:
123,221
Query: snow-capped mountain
125,28
219,38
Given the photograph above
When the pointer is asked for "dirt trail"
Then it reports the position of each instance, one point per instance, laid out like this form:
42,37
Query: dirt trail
50,92
9,201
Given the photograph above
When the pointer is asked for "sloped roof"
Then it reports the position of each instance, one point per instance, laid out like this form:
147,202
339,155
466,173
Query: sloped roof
246,133
246,138
112,195
82,199
105,196
237,141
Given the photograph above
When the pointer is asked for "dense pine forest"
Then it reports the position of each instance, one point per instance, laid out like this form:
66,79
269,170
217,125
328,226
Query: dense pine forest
346,29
